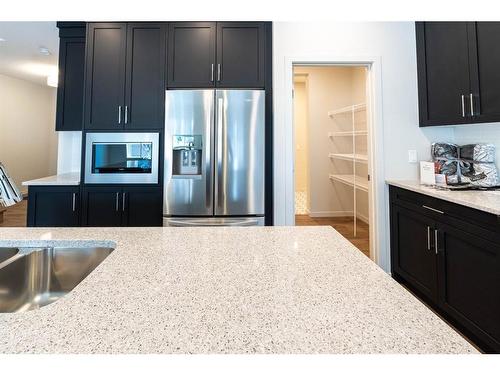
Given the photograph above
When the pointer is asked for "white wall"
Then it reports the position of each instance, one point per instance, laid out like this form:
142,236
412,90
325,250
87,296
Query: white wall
28,141
69,152
393,44
301,136
479,133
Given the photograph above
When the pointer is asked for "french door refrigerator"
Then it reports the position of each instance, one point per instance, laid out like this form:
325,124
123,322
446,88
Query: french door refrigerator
214,158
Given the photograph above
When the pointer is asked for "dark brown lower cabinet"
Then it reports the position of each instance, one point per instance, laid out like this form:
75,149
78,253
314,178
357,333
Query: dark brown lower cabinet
119,205
450,262
53,206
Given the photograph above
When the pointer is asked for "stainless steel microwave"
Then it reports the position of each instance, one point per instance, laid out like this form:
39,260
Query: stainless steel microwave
121,158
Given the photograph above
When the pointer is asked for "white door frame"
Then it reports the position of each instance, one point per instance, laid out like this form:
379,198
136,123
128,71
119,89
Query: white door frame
284,142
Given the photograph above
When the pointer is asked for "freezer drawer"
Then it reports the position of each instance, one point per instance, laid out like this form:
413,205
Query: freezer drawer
240,152
213,221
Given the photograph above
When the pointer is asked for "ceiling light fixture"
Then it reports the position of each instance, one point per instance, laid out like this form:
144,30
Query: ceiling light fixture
2,40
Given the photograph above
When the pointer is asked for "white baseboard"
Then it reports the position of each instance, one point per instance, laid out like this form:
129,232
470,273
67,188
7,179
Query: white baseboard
330,213
363,218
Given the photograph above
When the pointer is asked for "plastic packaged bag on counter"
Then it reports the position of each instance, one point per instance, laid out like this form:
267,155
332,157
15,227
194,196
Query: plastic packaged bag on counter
479,174
449,168
483,152
443,150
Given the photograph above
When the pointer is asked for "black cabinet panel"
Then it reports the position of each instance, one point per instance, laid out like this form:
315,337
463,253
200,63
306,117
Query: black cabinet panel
240,54
485,76
53,206
102,206
191,54
145,84
455,267
470,282
414,252
105,78
443,72
143,206
70,86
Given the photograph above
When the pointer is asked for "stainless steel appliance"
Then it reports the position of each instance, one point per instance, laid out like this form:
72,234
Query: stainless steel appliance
130,158
214,157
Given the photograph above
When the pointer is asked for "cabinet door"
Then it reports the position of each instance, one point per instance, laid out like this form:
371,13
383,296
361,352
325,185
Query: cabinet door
412,247
469,283
102,206
54,206
240,54
443,73
69,114
191,54
105,76
142,206
484,44
145,77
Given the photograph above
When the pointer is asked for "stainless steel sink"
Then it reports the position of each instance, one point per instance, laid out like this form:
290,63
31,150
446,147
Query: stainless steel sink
7,252
35,277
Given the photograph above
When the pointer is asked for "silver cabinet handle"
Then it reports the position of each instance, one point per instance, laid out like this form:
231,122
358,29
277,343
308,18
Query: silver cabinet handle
123,202
117,197
432,209
212,74
126,114
218,72
471,105
119,114
436,240
74,202
428,238
463,105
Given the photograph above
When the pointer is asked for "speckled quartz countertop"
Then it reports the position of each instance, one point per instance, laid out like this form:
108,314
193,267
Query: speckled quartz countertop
225,290
488,201
72,178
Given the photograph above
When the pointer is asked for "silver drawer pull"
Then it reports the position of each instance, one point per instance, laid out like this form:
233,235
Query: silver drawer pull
119,114
463,105
428,238
432,209
74,202
436,240
471,105
117,197
123,201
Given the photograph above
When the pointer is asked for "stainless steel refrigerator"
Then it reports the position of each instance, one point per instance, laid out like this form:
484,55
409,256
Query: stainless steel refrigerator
214,158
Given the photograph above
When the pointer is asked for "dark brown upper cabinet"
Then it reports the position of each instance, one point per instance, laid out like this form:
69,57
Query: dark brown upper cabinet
216,54
125,76
457,76
240,54
145,76
191,54
69,112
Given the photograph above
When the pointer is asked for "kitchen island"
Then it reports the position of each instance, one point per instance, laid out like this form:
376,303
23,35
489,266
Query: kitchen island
225,290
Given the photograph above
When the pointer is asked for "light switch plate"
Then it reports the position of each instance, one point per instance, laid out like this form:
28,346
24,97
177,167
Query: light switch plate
412,156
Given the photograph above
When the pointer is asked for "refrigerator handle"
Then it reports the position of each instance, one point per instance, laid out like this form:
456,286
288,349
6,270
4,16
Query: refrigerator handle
219,168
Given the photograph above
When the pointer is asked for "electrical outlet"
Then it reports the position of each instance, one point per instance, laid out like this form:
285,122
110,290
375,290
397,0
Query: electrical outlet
412,156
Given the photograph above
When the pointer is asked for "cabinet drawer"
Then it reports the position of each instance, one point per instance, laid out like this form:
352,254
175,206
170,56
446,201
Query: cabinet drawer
468,219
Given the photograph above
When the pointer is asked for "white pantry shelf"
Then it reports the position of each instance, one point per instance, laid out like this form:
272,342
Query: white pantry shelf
357,182
348,109
361,158
348,133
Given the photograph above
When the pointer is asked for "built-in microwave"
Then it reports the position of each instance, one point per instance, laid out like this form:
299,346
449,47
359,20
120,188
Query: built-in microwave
121,158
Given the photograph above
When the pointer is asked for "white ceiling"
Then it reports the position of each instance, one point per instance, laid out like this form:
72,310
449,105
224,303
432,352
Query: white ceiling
19,53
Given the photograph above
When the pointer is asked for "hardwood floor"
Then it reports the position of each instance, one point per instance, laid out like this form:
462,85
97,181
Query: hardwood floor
15,216
344,225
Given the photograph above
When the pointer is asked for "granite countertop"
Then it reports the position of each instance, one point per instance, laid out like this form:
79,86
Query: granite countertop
484,200
72,178
225,290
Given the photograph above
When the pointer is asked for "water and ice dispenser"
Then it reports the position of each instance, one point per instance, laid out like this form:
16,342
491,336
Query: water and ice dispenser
187,155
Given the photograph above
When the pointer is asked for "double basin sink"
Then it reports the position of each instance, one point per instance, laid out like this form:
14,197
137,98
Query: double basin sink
31,278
